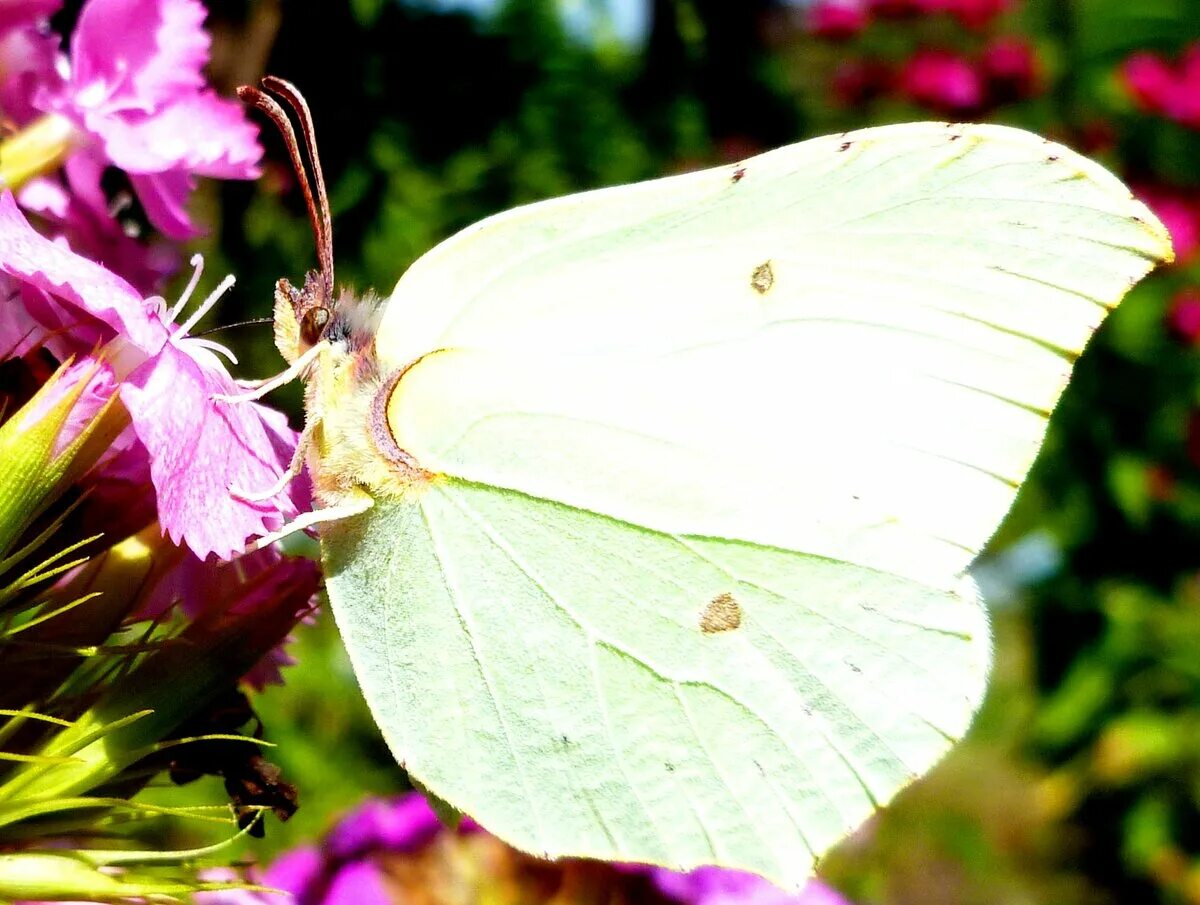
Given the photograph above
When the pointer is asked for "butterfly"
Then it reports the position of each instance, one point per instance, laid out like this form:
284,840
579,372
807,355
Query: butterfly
646,512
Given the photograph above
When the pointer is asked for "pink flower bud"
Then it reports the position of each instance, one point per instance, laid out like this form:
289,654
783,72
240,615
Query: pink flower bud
942,81
837,20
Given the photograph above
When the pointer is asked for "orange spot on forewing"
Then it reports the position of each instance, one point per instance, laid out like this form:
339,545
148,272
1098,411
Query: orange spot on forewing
722,614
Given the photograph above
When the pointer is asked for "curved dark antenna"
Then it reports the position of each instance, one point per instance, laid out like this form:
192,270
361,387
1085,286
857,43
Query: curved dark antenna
253,322
290,93
318,204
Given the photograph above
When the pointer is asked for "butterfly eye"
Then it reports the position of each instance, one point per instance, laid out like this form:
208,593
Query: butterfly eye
313,325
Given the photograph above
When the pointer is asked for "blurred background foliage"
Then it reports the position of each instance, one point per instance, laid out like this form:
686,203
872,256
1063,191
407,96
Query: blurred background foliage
1081,780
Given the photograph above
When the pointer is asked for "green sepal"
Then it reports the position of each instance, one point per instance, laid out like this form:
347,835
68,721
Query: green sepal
36,471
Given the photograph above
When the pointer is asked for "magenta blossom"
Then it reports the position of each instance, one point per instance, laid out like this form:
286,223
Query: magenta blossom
18,13
87,227
837,20
198,448
351,867
28,54
136,94
258,581
1164,88
1183,316
942,81
720,886
1010,69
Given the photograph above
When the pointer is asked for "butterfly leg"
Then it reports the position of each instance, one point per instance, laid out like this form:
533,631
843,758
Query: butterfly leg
262,387
294,468
356,504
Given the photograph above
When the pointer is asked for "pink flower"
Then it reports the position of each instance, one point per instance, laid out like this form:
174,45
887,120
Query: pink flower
1183,316
98,387
258,581
942,81
349,866
721,886
83,221
27,57
1150,79
837,20
136,93
1179,213
198,448
1160,87
898,9
1010,70
17,13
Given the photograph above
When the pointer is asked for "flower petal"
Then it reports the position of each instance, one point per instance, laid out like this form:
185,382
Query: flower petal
200,132
357,883
88,289
400,825
164,197
14,13
27,65
199,449
143,53
296,872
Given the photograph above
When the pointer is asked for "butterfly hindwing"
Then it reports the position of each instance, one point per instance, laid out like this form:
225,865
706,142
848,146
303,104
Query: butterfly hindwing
583,686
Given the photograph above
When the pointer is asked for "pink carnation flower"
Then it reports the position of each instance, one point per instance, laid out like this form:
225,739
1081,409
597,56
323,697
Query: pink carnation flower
258,581
137,96
198,448
18,13
348,868
86,224
1168,89
942,81
1183,315
837,20
1010,69
898,9
27,56
721,886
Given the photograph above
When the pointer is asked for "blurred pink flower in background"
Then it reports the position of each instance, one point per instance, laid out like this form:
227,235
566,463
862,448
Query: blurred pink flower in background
1164,88
197,448
388,850
897,9
837,20
1010,69
943,81
1183,315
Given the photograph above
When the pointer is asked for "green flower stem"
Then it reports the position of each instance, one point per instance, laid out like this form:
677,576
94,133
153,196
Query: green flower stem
142,709
38,149
67,876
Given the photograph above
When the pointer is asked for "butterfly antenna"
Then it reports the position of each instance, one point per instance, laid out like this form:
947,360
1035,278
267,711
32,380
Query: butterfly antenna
318,217
290,93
